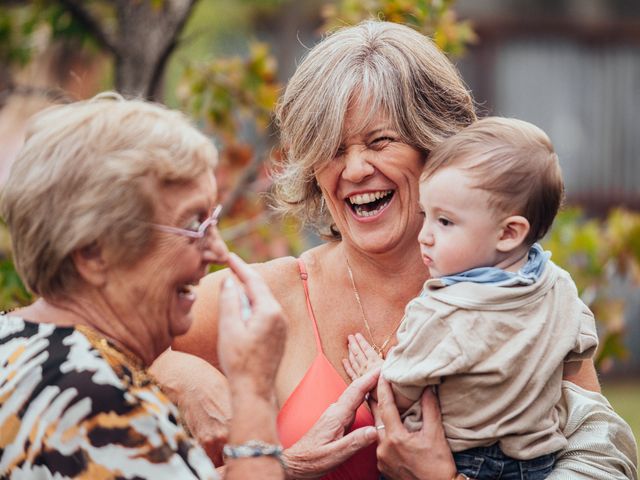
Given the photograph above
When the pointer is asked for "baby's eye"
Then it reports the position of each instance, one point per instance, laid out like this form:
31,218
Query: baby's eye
445,222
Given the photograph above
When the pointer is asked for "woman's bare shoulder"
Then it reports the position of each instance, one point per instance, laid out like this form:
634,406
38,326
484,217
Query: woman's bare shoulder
201,339
280,273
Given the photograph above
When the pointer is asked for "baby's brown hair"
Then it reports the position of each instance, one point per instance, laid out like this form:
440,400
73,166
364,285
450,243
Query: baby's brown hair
512,160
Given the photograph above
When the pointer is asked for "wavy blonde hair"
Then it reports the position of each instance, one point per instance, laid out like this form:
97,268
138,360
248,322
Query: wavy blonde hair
89,172
396,70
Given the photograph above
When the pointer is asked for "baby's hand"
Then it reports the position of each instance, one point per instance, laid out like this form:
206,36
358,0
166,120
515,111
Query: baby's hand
362,357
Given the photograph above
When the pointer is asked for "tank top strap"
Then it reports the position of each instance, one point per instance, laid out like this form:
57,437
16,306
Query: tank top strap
304,276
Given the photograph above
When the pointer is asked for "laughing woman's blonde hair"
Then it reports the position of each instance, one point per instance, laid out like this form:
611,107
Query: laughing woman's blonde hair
87,174
395,71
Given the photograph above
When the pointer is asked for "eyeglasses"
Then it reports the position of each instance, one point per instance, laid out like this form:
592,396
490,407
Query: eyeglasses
198,231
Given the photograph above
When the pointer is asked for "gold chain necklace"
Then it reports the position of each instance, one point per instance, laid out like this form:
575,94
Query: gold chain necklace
379,349
118,357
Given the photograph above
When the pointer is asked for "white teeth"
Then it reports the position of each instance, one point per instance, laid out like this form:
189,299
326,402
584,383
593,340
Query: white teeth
362,198
185,289
365,213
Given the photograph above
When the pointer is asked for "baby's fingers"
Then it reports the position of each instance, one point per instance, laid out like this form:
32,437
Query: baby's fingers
347,368
366,347
357,363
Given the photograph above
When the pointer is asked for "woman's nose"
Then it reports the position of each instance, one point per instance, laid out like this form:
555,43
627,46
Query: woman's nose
357,166
214,250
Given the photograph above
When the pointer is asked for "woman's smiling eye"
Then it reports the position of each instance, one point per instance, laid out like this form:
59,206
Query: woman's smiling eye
193,225
380,142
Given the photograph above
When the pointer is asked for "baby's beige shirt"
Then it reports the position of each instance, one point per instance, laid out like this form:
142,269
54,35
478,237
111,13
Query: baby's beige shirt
498,354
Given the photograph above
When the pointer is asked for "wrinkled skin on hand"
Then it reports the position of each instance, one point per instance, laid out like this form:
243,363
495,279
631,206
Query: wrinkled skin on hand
326,445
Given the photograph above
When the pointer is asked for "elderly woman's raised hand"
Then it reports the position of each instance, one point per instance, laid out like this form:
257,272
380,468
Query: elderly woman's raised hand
404,455
252,337
325,445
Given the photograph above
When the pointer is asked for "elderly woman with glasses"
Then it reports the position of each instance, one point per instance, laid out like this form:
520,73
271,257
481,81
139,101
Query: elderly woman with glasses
111,206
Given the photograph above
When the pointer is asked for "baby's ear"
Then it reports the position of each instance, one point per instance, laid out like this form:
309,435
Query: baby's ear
513,231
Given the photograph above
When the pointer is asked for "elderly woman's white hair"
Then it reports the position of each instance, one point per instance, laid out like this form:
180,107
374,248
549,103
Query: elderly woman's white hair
395,71
88,173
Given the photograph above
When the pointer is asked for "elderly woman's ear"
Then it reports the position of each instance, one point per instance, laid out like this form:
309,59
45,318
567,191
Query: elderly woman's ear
91,264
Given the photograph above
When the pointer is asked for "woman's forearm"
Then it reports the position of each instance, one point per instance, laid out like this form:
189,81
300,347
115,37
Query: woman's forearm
582,374
253,423
600,446
202,396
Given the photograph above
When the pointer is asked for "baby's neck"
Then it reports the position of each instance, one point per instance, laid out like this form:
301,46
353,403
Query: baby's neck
515,260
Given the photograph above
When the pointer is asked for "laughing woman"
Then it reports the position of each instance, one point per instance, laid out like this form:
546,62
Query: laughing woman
111,206
358,119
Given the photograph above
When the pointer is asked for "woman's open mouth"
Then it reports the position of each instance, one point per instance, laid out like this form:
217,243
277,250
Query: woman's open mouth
370,203
186,291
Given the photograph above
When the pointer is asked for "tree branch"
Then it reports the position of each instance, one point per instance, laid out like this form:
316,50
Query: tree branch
182,13
78,9
248,176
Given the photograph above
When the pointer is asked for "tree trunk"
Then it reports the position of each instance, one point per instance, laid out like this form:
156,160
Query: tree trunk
147,35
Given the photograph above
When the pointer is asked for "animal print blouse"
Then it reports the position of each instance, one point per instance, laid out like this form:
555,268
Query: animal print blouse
72,408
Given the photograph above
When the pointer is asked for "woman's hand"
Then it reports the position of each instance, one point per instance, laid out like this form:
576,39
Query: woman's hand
404,455
252,337
325,445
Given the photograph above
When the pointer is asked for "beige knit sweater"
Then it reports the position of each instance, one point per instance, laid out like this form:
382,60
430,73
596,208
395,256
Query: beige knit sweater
600,445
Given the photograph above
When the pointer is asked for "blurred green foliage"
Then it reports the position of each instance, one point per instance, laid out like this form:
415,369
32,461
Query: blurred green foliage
600,254
230,91
435,18
12,291
27,28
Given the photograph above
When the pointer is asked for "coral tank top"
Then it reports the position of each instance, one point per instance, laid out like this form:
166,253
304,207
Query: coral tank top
320,387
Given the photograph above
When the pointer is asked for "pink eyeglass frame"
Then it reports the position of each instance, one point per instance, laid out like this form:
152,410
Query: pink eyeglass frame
202,230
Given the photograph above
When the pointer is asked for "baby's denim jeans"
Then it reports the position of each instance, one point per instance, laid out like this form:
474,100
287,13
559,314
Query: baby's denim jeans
490,463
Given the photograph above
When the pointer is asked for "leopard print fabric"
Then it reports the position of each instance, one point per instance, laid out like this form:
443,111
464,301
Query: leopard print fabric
66,412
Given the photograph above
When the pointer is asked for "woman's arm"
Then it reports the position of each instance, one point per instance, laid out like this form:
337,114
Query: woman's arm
600,444
202,396
583,374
